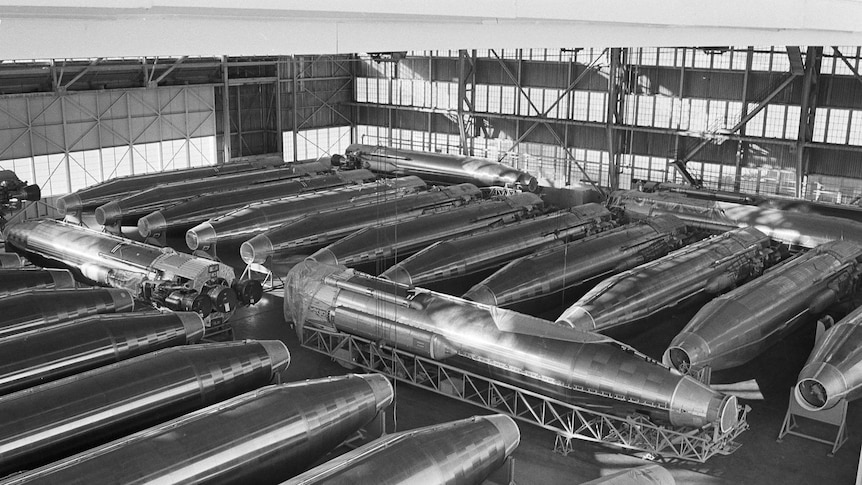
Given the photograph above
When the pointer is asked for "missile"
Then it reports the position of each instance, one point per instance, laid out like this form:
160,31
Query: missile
562,267
834,369
10,261
456,453
789,227
15,280
309,233
562,363
57,419
404,237
439,167
642,475
706,267
262,436
159,276
473,253
737,326
134,206
243,223
185,215
48,354
32,309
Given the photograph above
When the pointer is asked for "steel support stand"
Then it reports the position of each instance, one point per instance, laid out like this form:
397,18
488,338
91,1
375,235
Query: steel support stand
835,416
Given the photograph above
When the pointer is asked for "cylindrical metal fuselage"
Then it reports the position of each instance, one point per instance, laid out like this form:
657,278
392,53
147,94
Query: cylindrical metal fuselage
48,354
575,263
709,266
263,436
32,309
737,326
16,280
59,418
461,452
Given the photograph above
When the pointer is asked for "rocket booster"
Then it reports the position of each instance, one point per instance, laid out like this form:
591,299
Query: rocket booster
560,362
256,218
16,280
262,436
490,249
709,266
403,237
461,452
561,267
65,349
59,418
737,326
309,233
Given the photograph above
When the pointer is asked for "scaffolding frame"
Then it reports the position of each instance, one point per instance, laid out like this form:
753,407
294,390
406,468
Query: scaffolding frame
569,422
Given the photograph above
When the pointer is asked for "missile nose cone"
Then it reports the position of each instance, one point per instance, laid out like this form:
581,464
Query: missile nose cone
508,429
382,388
481,294
398,274
528,182
68,203
193,325
578,317
325,256
122,299
820,386
200,235
256,249
151,224
109,213
62,278
278,354
688,350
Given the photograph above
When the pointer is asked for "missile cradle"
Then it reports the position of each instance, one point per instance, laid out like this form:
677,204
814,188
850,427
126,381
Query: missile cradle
461,452
472,253
56,419
706,267
559,362
737,326
562,267
263,436
16,280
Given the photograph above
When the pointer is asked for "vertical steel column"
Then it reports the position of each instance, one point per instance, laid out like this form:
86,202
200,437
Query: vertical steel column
225,111
614,92
466,74
239,139
813,59
741,146
295,107
279,122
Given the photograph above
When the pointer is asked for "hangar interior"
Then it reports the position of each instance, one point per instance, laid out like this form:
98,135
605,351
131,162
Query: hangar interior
759,131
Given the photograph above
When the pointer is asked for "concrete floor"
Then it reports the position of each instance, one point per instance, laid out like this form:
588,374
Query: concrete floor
760,460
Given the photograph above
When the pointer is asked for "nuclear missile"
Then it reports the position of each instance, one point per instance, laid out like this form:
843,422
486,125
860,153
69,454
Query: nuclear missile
461,452
15,280
404,237
439,166
707,267
642,475
562,267
185,215
64,349
10,261
262,436
57,419
302,237
737,326
562,363
159,276
472,253
130,208
244,223
789,227
834,369
32,309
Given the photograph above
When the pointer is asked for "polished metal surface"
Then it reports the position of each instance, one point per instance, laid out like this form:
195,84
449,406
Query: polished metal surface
559,362
440,167
64,349
263,436
562,267
706,267
737,326
32,309
794,228
15,280
310,233
185,215
642,475
402,238
461,452
834,369
10,261
242,224
57,419
464,255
